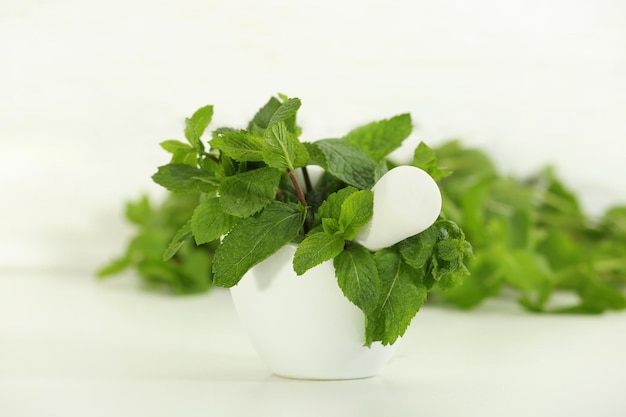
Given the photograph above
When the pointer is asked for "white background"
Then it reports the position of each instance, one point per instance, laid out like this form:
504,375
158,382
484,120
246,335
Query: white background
88,89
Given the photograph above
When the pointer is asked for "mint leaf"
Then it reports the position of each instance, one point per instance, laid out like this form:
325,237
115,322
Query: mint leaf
316,156
356,211
315,249
357,276
248,192
179,238
138,212
201,119
330,226
262,118
185,178
379,139
282,148
381,169
239,145
114,266
528,273
254,239
173,146
425,158
400,299
348,163
418,249
209,221
447,263
195,126
181,152
192,137
331,207
287,113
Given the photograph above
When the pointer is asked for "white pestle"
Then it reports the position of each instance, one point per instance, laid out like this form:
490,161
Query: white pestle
407,201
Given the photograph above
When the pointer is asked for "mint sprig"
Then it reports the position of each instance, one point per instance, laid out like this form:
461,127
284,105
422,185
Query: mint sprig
250,202
529,236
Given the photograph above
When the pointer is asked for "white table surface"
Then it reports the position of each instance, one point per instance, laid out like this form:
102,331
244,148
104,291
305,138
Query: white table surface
71,346
88,89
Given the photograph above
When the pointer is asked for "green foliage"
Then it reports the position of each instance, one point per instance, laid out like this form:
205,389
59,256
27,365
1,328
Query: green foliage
378,139
282,149
531,237
239,144
346,162
210,221
254,239
236,199
401,297
188,272
337,221
358,278
245,202
184,178
246,193
315,249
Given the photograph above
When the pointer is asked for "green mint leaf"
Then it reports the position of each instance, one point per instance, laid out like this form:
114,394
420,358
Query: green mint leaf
149,244
528,273
239,145
262,118
316,156
287,113
399,301
331,207
358,278
425,158
418,249
348,163
192,137
356,211
209,221
114,267
254,239
315,249
381,169
181,152
330,226
185,178
173,146
597,296
446,267
194,271
226,167
246,193
201,119
614,221
185,158
450,249
379,139
179,238
485,281
139,212
282,148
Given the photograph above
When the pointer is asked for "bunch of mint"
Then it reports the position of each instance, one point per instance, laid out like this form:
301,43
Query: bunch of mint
252,194
532,239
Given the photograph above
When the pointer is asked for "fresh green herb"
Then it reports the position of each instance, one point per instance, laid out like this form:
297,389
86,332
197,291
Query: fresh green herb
531,237
188,272
246,201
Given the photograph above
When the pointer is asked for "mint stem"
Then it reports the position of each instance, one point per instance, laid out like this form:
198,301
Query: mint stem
296,184
307,180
